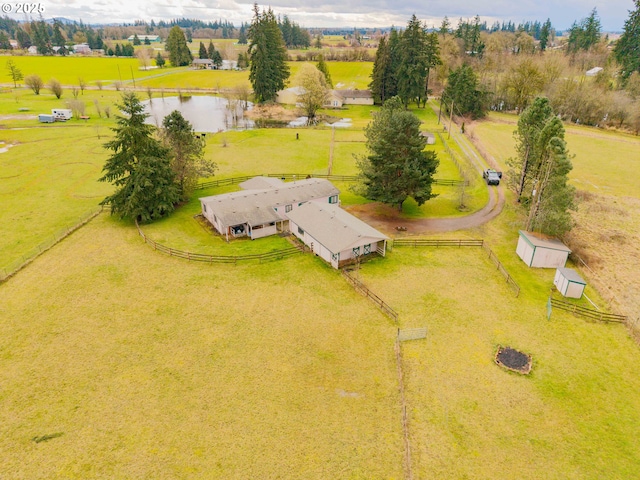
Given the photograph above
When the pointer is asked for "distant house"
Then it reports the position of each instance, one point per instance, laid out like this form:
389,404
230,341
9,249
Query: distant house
202,63
81,49
14,44
289,96
229,65
260,212
335,98
32,50
334,234
356,97
142,38
594,71
537,250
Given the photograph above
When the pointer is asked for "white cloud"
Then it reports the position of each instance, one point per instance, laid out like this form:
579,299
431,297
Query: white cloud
347,13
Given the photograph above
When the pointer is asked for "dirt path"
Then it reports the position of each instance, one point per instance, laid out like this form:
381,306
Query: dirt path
387,219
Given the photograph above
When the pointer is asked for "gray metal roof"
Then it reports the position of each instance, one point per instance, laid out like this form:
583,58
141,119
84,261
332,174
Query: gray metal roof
261,183
540,240
355,93
336,229
256,207
571,275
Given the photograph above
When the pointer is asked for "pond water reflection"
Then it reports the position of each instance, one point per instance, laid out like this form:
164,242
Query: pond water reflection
205,113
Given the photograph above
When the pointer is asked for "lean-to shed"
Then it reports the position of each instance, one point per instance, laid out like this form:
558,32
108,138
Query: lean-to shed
541,251
569,283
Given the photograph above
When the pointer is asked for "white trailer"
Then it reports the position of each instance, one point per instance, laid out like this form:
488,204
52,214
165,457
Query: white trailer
62,114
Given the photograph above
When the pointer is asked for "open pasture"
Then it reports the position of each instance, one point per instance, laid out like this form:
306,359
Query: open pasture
575,416
67,70
140,365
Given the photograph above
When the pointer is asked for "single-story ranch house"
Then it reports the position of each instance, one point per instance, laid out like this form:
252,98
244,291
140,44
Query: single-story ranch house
335,98
334,234
309,208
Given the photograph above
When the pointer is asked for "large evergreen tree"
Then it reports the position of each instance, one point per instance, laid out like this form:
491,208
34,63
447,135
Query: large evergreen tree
139,167
322,66
541,170
584,35
58,39
463,93
268,70
413,63
384,78
179,53
202,51
526,164
627,49
40,36
397,165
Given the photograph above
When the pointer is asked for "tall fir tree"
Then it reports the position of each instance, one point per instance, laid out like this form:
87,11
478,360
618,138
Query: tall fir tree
413,63
463,94
379,75
202,51
179,53
397,165
627,48
139,167
322,66
268,70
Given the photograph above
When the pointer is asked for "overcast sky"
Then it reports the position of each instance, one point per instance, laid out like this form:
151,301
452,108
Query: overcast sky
338,13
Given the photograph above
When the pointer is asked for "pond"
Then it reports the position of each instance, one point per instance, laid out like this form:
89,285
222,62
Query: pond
205,113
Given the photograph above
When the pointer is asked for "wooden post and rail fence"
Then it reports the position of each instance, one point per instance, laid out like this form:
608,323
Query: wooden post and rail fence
464,242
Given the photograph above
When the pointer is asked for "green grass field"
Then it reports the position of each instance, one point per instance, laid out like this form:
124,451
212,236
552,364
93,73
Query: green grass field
67,70
119,362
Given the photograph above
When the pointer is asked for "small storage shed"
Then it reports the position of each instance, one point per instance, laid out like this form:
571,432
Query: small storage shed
431,138
541,251
569,283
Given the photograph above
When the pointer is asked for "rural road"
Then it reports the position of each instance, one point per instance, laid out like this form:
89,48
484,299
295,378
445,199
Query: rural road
386,218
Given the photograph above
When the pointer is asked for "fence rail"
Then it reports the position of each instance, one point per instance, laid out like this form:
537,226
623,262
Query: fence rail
362,288
463,242
233,259
430,242
587,313
510,281
298,176
10,270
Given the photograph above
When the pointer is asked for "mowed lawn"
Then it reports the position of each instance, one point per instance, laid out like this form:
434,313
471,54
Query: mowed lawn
576,416
132,364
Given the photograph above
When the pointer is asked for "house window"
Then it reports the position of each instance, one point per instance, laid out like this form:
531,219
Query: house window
335,257
367,249
333,199
356,251
300,231
287,208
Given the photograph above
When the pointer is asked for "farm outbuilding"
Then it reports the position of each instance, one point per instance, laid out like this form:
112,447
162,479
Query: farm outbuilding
334,234
541,251
569,283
